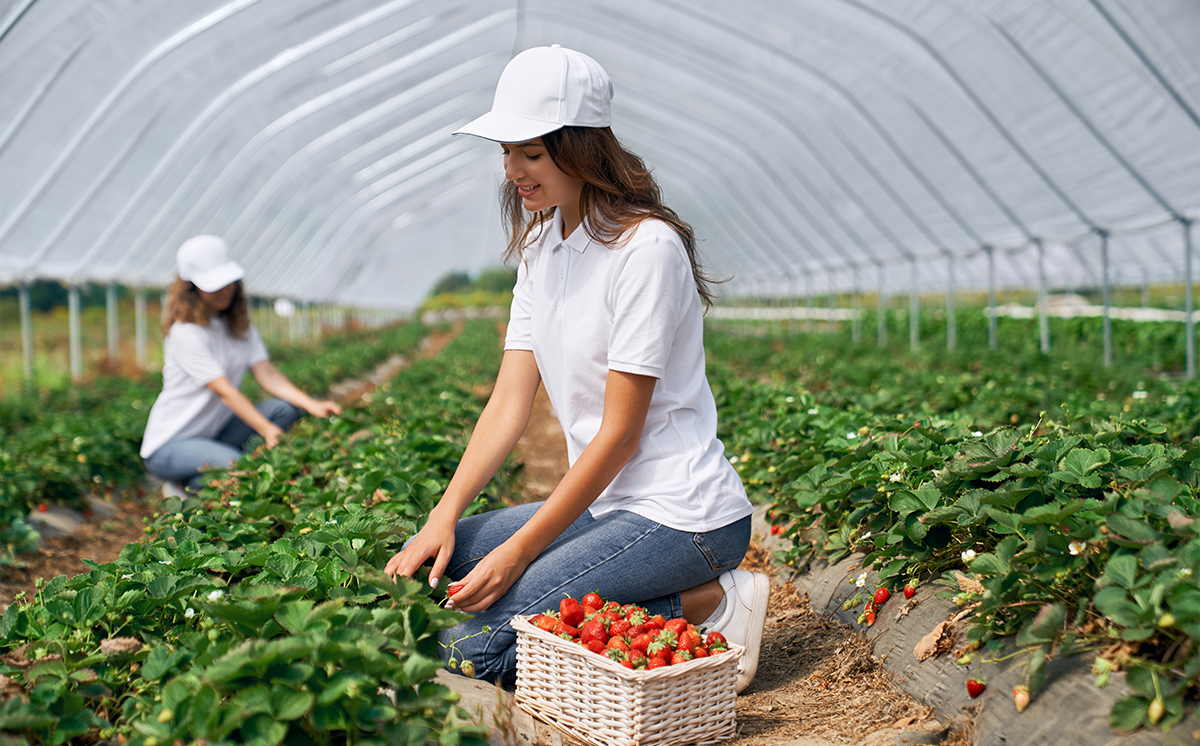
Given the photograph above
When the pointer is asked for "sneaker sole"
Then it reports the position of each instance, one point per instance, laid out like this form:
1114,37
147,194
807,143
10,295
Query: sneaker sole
749,666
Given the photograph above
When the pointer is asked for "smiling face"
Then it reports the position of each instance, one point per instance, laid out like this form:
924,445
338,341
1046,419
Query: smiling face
219,300
540,183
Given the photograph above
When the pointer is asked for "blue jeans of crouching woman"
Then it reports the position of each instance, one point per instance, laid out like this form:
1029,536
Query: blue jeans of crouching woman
181,460
622,556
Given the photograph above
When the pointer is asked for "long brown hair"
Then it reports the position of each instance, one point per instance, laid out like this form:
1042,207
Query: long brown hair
185,305
619,192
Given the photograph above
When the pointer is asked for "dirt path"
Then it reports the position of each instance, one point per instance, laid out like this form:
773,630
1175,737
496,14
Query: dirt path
817,682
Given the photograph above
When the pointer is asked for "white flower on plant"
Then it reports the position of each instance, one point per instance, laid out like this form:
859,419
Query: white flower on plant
851,436
126,576
1140,394
216,595
1185,572
733,459
865,536
968,555
813,410
861,580
189,613
977,433
235,503
1076,546
789,399
897,477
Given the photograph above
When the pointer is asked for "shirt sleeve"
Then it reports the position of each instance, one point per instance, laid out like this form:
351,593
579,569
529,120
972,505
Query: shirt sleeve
192,350
520,330
258,350
650,295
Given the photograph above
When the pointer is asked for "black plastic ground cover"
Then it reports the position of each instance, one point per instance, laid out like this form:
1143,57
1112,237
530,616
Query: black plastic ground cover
1070,710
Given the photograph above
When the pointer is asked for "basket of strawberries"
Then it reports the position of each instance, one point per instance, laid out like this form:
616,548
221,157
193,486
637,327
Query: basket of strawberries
614,675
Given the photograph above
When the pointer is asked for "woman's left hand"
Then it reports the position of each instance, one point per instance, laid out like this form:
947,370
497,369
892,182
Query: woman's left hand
324,408
489,580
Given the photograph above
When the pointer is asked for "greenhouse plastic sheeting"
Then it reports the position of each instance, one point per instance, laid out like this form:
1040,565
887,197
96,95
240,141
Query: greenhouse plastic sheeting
819,145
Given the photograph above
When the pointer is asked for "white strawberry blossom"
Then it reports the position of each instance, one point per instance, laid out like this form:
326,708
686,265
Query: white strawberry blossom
977,433
861,580
733,459
789,399
189,613
1185,572
851,436
216,595
968,555
813,410
1077,547
896,478
126,576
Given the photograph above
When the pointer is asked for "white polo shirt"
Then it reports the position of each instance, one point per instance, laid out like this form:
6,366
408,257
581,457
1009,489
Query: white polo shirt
193,357
584,309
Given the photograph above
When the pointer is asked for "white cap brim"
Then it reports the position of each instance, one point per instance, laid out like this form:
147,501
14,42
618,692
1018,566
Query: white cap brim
499,126
212,280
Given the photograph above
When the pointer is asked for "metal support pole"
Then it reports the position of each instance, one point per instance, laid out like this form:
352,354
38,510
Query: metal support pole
1145,288
139,324
993,336
162,308
881,311
26,330
952,304
833,326
808,320
110,308
914,308
1189,323
856,302
1106,292
1043,319
75,332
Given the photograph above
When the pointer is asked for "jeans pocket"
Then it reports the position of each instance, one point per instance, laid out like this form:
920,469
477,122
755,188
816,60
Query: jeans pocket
725,547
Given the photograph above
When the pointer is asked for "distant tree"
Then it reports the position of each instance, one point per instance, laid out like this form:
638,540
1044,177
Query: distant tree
452,282
497,280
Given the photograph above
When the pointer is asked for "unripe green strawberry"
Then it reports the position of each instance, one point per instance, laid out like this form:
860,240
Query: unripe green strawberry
1156,710
468,669
1167,620
1021,697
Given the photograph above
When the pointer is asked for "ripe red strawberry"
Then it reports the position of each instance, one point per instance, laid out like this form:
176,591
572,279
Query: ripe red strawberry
593,630
775,530
617,643
870,617
454,588
546,622
910,590
638,657
686,643
612,606
677,625
975,686
612,615
881,596
620,628
700,652
659,649
715,640
656,662
656,621
562,629
636,617
42,508
595,646
592,601
636,629
627,663
1020,697
871,607
680,656
641,642
570,611
616,655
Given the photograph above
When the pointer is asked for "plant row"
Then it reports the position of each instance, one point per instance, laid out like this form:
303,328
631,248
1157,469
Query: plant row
57,445
1073,531
257,611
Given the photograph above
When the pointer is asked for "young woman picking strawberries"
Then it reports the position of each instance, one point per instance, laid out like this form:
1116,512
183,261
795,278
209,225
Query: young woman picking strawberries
608,313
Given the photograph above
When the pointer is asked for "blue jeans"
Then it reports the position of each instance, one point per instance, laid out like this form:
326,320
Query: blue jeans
624,557
181,460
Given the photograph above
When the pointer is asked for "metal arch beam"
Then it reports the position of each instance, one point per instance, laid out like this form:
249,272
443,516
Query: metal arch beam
188,32
1170,89
222,101
19,120
14,17
983,108
847,95
782,120
313,106
1087,123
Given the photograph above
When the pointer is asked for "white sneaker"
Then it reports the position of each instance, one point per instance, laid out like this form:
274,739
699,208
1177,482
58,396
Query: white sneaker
745,615
174,489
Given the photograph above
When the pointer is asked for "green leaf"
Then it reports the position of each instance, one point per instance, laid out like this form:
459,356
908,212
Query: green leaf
1045,626
261,729
989,564
1122,570
1141,680
1037,669
161,661
1128,714
289,704
1130,528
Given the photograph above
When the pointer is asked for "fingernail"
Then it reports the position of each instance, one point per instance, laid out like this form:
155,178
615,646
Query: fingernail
449,603
433,582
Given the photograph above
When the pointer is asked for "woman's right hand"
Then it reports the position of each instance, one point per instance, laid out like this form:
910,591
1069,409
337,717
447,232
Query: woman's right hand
434,541
271,434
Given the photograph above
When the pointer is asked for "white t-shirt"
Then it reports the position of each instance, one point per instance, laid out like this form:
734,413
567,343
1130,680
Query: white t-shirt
584,309
195,356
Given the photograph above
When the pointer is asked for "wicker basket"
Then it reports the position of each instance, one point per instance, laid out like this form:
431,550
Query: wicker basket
604,703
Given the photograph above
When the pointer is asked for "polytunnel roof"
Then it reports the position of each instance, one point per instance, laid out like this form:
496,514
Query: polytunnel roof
812,143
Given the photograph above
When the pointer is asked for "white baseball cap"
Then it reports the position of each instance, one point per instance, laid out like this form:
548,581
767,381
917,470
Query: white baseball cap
544,89
205,262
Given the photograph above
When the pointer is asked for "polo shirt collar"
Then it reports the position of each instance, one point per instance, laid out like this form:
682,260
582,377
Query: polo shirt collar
578,240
